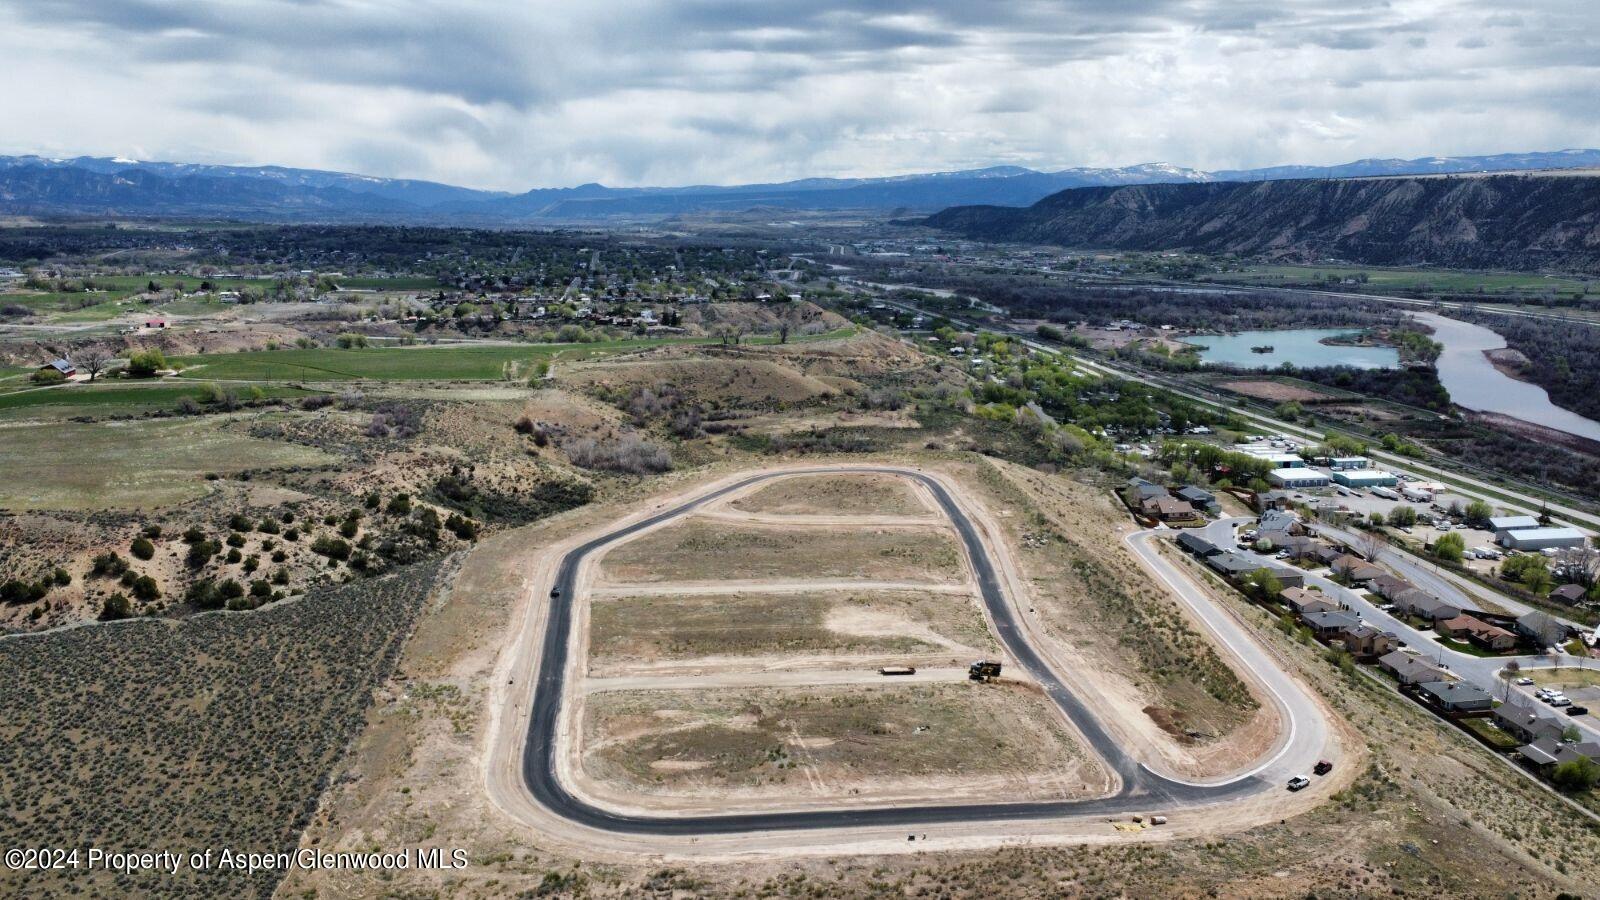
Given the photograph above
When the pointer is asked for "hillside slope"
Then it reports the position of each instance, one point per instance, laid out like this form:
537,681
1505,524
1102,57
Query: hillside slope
1500,221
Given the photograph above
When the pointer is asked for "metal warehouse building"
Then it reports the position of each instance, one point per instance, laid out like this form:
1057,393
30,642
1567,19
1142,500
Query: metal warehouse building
1365,478
1541,538
1297,478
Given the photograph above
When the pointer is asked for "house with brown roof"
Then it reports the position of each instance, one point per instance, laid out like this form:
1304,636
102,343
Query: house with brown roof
1170,509
1570,594
1389,586
1304,601
1420,603
1479,632
1355,568
1366,641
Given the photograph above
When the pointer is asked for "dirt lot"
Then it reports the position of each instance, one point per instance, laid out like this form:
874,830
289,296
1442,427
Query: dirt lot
1273,391
698,550
1122,636
877,495
1431,814
644,629
809,743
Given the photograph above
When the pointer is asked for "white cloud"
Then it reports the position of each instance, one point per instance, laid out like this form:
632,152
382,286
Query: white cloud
558,92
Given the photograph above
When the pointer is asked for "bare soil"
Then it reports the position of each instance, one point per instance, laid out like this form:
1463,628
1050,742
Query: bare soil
865,494
699,549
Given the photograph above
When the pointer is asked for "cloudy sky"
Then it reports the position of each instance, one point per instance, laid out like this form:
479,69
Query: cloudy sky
514,94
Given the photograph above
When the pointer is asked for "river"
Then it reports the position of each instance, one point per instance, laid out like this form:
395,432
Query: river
1474,383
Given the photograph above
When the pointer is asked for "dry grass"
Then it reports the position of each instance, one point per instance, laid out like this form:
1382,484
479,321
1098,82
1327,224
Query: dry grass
697,550
881,622
843,495
803,742
120,465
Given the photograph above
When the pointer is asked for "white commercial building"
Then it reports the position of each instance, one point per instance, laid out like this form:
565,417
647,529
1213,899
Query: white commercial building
1540,538
1297,478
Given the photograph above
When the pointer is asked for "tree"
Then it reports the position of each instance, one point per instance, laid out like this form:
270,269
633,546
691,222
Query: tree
1371,545
1402,517
94,360
1577,776
146,363
1477,513
115,606
1450,547
1263,585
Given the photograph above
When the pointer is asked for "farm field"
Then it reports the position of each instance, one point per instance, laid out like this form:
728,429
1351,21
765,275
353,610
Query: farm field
439,363
647,629
698,550
866,494
1379,279
810,743
136,464
110,397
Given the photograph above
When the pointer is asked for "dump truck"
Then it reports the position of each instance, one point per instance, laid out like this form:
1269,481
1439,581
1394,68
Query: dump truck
983,670
897,670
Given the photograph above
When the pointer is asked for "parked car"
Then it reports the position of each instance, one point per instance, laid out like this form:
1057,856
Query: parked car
1543,693
1524,680
1322,767
1560,700
1299,783
1577,710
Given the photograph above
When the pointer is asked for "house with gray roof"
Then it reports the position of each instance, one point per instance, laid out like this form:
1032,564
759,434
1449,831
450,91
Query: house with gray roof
1529,722
1330,624
1542,628
1409,668
1198,545
1455,696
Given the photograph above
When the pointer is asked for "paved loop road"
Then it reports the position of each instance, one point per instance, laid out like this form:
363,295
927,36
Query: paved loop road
1141,790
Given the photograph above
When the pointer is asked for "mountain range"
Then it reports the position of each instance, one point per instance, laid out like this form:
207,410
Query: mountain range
1512,221
96,186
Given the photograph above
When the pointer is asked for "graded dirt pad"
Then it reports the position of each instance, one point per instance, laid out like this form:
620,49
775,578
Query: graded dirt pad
864,494
1275,391
807,744
627,630
699,550
1123,636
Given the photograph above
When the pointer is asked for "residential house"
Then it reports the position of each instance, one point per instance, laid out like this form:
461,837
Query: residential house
1277,526
1303,601
1199,498
1232,565
1542,629
63,366
1198,545
1547,752
1169,509
1570,594
1528,722
1367,641
1288,578
1328,625
1140,490
1455,696
1326,554
1409,668
1479,632
1420,603
1355,569
1274,500
1389,586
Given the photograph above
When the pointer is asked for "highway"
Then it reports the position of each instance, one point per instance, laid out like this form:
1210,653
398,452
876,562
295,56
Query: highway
1141,789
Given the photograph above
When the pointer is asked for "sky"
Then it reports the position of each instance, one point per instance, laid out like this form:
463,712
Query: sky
516,94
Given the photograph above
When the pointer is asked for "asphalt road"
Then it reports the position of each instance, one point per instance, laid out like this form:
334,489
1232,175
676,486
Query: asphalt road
1142,789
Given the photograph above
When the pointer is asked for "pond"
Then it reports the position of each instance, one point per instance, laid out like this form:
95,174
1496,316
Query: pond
1303,347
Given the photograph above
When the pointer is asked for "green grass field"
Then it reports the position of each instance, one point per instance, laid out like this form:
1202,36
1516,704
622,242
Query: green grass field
451,362
1378,279
127,465
114,397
